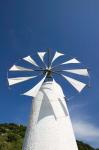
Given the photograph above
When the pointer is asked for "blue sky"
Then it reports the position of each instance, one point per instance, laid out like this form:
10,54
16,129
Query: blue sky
71,26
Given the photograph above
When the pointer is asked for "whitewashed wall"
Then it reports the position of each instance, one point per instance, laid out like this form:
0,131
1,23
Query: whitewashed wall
49,126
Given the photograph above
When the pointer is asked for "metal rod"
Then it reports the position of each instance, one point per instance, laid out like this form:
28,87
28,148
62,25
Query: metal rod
56,72
39,70
48,57
56,66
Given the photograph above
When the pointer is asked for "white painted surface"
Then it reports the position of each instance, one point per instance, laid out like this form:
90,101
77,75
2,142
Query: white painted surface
57,54
19,68
41,55
71,61
30,60
19,79
33,92
78,85
82,72
49,127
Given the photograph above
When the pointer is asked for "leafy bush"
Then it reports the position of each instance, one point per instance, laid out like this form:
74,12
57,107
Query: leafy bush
11,138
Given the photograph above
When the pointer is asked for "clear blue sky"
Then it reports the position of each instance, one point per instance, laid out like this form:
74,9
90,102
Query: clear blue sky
72,26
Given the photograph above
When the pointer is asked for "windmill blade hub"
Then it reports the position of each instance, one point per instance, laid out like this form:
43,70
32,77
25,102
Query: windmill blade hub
48,72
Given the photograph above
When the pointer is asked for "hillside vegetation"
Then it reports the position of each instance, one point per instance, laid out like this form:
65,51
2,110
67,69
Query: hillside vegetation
11,138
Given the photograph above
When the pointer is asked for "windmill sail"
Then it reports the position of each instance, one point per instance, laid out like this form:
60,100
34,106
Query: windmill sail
41,55
18,68
57,54
30,60
71,61
82,72
33,92
75,83
13,81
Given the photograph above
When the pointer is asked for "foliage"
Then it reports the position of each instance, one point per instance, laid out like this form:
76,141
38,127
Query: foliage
83,146
11,138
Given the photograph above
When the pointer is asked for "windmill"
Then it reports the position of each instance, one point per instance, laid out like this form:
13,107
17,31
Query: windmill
49,126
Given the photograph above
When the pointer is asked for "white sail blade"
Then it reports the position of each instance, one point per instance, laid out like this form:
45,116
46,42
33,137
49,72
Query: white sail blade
82,72
41,55
71,61
18,68
13,81
33,92
30,60
75,83
57,54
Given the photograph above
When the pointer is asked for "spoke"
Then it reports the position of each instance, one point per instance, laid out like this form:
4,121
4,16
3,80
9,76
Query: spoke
58,70
56,66
48,58
56,73
39,70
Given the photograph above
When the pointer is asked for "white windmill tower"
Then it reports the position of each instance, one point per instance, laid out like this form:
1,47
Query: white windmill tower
49,126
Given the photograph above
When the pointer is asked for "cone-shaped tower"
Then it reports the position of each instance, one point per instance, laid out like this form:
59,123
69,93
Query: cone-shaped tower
49,126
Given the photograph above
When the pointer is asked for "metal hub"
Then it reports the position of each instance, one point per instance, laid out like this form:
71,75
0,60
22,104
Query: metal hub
48,72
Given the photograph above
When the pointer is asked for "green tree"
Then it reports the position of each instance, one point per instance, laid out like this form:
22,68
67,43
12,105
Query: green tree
11,138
